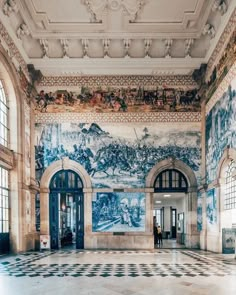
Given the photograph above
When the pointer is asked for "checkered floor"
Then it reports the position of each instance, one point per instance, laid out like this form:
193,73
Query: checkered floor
205,265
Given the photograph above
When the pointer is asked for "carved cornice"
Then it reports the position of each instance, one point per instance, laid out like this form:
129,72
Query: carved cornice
6,157
119,81
162,117
13,52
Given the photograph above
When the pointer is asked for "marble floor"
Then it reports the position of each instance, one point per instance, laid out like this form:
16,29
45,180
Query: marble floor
170,244
161,271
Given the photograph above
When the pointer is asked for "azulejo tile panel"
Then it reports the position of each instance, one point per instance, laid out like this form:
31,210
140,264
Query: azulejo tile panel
220,124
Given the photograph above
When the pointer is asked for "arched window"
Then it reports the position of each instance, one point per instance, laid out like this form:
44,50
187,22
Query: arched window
4,131
230,192
66,180
171,180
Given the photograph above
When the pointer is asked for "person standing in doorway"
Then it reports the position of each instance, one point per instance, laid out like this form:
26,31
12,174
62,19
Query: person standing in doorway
155,230
159,236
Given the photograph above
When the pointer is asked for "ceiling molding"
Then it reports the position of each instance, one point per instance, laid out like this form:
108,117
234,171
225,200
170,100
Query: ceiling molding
152,53
117,66
192,20
9,46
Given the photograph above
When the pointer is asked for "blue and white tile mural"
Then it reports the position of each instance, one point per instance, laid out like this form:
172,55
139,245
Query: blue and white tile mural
220,130
118,212
117,155
211,207
199,211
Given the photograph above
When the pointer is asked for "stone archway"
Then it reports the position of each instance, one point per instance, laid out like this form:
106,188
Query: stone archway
192,237
63,164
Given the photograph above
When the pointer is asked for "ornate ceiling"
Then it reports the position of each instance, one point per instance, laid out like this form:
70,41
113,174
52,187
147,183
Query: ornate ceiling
125,37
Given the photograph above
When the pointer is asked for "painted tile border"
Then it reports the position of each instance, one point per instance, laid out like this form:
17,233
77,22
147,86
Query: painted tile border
165,117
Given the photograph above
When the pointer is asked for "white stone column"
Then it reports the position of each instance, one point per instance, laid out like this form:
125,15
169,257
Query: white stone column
192,239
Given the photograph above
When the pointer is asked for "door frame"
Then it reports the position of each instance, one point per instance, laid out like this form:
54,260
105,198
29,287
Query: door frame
64,164
54,210
192,237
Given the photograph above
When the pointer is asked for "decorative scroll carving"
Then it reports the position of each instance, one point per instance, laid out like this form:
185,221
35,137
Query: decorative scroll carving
209,30
147,46
44,44
22,31
188,46
9,7
220,5
98,7
168,44
65,46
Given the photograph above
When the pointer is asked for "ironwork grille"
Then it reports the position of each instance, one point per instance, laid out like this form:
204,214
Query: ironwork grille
171,180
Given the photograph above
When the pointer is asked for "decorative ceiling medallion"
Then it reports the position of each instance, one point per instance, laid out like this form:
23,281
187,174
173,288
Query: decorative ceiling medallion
114,4
98,7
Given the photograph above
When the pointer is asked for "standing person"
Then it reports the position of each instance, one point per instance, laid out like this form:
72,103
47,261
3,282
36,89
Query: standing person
155,230
159,235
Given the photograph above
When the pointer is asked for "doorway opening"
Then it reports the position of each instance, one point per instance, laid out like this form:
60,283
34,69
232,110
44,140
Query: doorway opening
66,210
170,206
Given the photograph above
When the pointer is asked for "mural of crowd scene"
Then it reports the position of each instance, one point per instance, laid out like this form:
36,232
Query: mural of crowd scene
220,130
211,207
118,212
117,155
119,100
199,212
227,60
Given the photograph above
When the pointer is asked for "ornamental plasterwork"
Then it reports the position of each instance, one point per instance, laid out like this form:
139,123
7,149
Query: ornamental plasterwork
97,8
222,43
9,7
222,88
13,52
164,117
118,81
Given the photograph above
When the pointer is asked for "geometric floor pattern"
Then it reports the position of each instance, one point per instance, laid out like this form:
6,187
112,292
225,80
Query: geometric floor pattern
119,264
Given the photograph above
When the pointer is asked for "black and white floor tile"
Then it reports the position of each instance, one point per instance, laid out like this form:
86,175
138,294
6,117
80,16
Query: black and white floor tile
160,263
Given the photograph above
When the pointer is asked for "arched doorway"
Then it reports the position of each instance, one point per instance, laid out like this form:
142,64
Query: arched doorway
170,188
66,210
175,187
52,183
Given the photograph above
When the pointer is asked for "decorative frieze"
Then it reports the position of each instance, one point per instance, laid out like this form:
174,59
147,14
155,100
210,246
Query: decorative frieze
119,81
164,117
